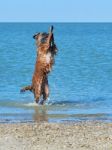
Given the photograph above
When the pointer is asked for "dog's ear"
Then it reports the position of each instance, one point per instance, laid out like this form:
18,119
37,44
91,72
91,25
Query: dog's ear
35,36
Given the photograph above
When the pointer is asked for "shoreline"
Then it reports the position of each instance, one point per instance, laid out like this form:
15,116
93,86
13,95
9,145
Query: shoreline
84,135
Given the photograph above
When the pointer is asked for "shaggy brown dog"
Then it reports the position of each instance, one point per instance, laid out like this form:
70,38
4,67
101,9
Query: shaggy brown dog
45,60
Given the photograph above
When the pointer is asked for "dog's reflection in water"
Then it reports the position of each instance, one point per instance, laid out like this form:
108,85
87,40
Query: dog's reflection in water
40,114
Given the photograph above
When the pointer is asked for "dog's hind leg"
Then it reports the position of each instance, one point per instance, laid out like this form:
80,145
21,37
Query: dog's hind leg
45,91
26,88
37,92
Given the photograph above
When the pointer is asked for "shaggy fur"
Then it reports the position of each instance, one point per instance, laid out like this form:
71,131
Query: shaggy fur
45,60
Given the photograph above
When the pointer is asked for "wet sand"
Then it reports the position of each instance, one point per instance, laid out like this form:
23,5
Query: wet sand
56,136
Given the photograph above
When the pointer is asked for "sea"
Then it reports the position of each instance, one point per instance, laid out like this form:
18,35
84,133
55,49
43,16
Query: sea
80,82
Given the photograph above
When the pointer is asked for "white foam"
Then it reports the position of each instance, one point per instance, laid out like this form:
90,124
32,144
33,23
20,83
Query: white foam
36,104
31,104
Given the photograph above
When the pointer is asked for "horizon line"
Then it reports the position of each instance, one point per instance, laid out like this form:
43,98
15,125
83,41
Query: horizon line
55,22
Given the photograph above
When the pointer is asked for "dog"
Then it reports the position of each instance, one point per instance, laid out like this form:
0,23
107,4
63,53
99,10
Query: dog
46,50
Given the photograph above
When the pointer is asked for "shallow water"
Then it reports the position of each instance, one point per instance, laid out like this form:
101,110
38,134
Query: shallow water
81,80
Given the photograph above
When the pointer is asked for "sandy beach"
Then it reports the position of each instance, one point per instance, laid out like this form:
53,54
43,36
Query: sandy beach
56,136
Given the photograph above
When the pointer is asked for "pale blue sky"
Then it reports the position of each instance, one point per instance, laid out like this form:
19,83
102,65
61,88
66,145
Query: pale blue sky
55,10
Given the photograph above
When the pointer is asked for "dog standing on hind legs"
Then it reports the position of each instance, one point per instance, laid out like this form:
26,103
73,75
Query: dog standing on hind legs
44,62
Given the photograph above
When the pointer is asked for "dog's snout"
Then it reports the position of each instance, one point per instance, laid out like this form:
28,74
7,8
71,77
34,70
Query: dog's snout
35,35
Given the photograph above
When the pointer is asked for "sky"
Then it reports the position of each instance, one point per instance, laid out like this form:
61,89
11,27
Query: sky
55,10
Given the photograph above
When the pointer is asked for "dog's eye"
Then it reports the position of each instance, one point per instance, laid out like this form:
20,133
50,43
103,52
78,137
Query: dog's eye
43,40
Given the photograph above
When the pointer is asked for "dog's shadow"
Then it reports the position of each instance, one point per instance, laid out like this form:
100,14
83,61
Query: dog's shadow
40,114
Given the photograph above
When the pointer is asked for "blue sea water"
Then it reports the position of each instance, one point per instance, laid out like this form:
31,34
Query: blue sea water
81,79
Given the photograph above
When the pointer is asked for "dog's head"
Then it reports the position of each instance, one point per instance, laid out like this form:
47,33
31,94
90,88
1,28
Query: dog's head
41,38
46,38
